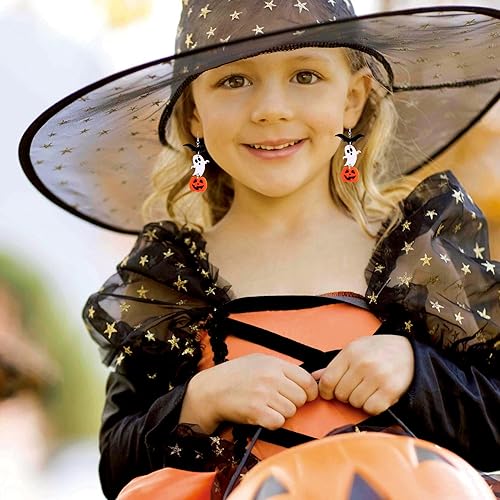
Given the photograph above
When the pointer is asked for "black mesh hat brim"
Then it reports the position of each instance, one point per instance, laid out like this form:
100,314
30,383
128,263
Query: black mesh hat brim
93,152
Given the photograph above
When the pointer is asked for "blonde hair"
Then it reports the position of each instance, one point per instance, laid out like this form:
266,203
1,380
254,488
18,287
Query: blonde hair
369,201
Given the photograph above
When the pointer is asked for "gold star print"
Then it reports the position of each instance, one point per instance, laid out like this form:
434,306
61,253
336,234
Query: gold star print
144,260
439,229
406,225
152,376
489,267
445,258
142,292
174,342
91,312
473,215
437,305
269,5
151,234
483,314
110,329
459,317
426,261
478,251
301,6
175,450
62,122
188,350
457,227
204,11
203,255
466,269
258,30
168,254
408,247
127,350
431,214
215,440
211,32
150,336
205,274
408,326
433,279
210,291
66,151
405,280
180,284
193,247
373,298
124,307
179,265
379,268
189,40
458,195
235,15
48,145
119,359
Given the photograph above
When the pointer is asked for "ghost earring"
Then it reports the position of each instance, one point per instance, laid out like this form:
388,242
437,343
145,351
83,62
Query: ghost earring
350,173
197,183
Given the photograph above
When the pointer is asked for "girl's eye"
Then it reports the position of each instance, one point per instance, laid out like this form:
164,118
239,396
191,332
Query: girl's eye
306,77
235,82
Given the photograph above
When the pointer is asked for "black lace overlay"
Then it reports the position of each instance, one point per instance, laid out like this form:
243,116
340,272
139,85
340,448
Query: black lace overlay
433,273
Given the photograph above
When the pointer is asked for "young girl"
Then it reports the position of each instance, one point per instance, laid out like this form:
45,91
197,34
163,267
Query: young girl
304,136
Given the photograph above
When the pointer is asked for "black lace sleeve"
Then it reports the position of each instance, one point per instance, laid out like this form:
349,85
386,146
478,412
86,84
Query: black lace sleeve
433,274
146,320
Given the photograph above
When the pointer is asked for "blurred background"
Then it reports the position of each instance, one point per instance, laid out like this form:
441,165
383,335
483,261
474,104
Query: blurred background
50,262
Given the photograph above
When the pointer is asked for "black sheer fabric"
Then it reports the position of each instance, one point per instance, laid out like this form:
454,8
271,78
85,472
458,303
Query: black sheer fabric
148,317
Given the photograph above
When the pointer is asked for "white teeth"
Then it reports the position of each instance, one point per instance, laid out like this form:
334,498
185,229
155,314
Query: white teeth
272,148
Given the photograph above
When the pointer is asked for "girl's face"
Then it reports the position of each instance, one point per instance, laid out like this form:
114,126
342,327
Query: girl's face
270,121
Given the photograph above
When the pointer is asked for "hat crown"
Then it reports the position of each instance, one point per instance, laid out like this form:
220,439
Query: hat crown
205,23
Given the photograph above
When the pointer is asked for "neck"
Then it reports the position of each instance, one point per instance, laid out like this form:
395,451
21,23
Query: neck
305,211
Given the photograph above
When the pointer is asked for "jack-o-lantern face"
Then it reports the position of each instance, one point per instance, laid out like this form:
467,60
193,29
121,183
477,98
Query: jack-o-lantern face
350,174
360,466
198,184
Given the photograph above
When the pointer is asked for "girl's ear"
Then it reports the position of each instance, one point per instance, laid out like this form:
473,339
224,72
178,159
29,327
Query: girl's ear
195,126
357,94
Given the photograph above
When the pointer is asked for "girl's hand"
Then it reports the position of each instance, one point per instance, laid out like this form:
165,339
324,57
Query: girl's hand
370,373
255,389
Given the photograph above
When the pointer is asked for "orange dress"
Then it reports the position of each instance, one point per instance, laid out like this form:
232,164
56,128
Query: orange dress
323,328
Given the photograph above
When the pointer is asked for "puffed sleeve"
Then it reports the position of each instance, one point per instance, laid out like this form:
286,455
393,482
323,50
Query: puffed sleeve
434,272
147,320
433,278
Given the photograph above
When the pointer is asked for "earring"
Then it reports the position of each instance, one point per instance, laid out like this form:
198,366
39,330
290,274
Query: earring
198,183
350,173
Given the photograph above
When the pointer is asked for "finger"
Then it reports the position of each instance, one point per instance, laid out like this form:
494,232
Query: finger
283,406
377,403
316,375
346,385
361,393
303,379
331,376
268,418
293,392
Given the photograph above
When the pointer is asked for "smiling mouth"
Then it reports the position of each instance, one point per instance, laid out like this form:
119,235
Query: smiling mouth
276,147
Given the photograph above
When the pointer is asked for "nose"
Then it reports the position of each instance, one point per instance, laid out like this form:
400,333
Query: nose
271,103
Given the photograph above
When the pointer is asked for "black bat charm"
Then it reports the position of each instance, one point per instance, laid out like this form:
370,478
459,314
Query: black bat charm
349,140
